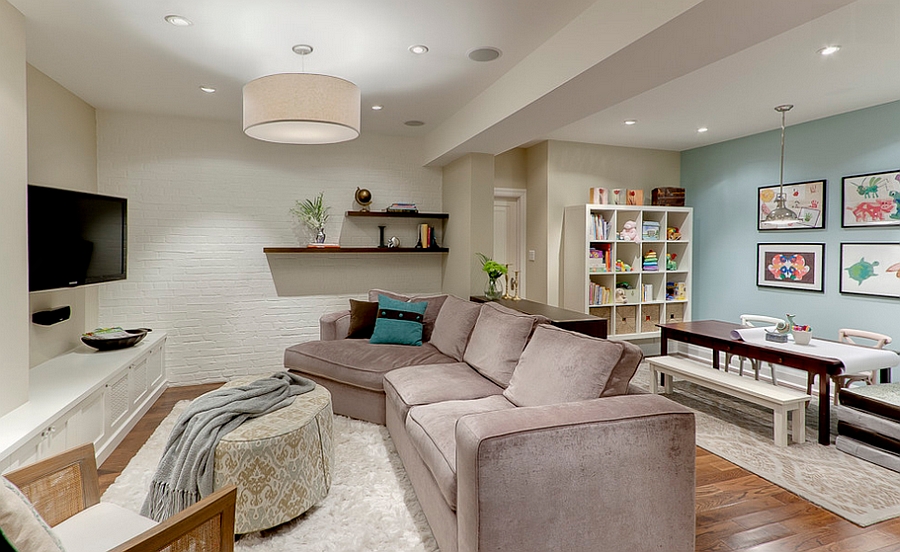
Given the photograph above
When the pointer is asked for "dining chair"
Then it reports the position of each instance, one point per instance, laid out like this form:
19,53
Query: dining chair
751,321
841,381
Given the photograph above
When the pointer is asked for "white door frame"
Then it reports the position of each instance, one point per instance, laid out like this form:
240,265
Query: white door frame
518,195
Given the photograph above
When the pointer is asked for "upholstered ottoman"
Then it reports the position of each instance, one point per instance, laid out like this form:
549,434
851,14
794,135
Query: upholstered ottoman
280,462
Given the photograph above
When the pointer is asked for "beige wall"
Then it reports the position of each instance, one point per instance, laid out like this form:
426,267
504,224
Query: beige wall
62,153
468,196
13,179
561,174
510,170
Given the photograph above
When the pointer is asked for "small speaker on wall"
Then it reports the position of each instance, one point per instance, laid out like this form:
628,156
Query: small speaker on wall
50,317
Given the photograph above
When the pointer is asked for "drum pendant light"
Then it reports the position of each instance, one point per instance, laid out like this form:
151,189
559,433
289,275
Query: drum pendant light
301,108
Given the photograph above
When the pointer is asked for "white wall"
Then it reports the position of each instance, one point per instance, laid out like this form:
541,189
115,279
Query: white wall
203,202
62,153
13,180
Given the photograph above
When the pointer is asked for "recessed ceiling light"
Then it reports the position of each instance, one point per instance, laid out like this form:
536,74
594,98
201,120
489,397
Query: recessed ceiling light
828,50
418,49
702,130
630,122
414,123
208,89
377,107
484,54
179,21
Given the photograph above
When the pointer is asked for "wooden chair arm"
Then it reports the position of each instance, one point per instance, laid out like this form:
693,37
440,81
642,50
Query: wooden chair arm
62,485
207,526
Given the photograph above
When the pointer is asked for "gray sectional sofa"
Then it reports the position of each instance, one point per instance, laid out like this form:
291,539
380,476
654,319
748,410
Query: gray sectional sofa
516,435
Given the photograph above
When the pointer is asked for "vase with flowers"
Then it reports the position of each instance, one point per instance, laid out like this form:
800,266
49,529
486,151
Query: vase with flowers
314,214
494,271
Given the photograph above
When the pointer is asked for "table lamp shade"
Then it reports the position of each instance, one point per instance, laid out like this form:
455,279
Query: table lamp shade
301,108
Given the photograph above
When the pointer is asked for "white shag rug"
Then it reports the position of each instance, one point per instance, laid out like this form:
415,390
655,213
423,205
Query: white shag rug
371,504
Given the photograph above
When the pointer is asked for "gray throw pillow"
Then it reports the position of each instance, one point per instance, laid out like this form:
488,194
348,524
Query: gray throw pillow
560,366
497,341
454,326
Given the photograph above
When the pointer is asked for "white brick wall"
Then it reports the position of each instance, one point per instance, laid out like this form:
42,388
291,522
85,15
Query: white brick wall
203,202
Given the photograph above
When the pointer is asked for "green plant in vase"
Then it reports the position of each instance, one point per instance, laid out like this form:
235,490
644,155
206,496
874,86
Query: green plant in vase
494,271
314,214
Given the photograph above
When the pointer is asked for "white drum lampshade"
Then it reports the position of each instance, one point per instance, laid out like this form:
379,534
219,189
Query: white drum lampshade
301,108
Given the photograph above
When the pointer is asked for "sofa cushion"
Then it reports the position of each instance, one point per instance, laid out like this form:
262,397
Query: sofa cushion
21,525
398,322
103,526
432,431
619,381
357,362
435,302
497,341
362,319
453,326
417,385
560,366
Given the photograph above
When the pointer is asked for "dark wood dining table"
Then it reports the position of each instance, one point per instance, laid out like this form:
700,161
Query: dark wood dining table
716,335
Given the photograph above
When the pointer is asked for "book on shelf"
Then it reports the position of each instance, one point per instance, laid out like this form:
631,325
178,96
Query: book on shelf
427,239
598,295
324,245
402,208
650,230
599,227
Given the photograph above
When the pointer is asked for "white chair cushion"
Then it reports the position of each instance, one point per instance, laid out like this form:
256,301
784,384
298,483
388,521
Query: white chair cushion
101,527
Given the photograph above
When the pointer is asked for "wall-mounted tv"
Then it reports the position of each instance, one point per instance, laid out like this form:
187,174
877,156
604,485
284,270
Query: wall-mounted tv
75,238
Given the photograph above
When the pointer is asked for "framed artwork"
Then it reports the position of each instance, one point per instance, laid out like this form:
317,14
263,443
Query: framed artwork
806,199
871,199
871,269
796,266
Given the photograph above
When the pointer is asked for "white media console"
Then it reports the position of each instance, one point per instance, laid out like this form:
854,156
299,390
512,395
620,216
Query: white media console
84,396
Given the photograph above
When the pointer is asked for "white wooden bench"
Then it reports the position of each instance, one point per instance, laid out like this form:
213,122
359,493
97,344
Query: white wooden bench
779,399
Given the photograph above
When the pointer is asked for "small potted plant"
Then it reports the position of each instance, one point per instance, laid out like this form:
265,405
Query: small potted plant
494,271
314,214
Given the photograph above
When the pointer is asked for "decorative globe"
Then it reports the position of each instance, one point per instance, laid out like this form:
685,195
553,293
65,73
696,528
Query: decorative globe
364,198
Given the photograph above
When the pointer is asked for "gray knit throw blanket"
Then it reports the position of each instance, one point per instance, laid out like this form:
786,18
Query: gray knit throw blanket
185,472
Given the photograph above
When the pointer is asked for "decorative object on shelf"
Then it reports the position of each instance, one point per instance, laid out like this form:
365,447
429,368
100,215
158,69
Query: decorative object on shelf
650,230
494,270
108,339
618,196
651,261
670,197
363,198
808,198
598,196
802,334
394,242
426,237
629,231
871,200
680,291
622,267
301,108
870,269
506,287
673,233
781,216
670,291
515,285
635,197
670,261
797,266
620,296
314,214
381,228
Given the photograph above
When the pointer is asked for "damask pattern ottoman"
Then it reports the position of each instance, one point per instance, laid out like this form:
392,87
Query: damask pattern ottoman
280,462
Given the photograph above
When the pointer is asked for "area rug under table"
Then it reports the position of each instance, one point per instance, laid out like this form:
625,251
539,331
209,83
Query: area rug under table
371,504
742,433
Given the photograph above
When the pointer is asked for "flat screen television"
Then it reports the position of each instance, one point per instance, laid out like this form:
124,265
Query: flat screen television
75,238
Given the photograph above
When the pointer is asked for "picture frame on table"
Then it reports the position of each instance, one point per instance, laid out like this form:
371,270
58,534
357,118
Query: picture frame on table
795,266
871,269
871,199
806,199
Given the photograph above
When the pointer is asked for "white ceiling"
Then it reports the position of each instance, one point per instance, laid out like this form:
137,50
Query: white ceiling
570,69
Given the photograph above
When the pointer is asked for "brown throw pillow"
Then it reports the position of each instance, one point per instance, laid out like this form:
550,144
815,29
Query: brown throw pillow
362,319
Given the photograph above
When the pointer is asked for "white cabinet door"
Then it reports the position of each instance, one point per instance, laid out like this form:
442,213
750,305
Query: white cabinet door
117,402
138,382
87,424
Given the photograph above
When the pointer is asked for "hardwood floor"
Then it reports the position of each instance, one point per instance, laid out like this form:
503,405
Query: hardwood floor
736,510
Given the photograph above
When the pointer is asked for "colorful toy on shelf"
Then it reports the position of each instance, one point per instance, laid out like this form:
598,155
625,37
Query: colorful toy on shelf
620,296
622,267
672,233
651,261
629,231
670,261
670,291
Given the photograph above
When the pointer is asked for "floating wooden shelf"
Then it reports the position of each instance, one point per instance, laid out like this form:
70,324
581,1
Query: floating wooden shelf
278,250
398,214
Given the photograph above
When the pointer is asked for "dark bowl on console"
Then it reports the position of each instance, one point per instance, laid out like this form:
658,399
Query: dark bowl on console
119,343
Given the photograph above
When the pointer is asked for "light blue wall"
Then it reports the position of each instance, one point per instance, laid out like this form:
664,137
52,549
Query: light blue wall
721,184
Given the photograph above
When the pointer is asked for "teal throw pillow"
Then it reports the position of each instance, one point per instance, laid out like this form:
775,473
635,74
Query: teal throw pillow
398,322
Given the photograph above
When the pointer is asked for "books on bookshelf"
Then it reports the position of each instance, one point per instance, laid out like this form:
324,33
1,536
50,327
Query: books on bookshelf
402,208
599,227
600,259
598,295
426,237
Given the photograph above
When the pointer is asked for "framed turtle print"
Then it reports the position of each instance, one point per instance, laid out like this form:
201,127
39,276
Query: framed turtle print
871,199
871,269
806,200
796,266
